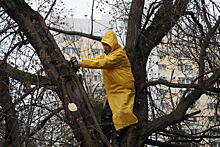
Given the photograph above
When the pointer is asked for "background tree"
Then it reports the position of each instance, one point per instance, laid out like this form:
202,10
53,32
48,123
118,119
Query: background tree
43,93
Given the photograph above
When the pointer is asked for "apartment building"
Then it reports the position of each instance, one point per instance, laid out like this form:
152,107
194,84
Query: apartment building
170,62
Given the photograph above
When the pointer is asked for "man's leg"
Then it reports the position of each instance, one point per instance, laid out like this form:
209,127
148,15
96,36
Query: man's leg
117,136
108,128
106,121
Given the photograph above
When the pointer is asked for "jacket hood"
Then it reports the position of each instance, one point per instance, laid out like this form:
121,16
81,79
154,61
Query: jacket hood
111,39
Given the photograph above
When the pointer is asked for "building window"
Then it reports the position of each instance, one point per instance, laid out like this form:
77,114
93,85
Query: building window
161,67
190,131
182,56
97,51
185,93
215,144
161,54
212,106
165,105
97,77
212,94
184,80
184,67
192,119
162,78
162,92
70,50
210,56
214,118
71,37
193,144
192,106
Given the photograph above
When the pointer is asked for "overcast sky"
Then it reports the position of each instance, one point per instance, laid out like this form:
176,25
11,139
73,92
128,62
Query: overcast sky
81,8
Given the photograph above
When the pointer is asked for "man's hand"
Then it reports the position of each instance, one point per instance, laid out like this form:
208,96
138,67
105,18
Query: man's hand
75,64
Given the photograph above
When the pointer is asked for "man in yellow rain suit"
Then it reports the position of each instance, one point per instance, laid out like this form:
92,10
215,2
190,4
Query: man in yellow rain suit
118,82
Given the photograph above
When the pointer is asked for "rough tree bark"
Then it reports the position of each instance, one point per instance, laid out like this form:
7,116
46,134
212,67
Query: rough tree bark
12,133
58,70
139,44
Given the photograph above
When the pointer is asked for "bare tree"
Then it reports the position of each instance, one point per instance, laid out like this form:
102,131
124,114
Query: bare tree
181,21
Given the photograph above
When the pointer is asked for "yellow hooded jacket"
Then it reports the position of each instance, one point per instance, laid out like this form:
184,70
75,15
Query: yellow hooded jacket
118,81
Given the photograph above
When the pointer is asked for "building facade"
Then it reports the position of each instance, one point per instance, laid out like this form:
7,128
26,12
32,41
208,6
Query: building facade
175,63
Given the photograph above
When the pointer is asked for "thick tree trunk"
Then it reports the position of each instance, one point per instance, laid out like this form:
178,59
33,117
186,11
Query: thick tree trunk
12,134
83,121
139,44
134,47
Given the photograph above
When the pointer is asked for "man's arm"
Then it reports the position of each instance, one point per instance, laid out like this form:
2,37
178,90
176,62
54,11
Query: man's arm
109,61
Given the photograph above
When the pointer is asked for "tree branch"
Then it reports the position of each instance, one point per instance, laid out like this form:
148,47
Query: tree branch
163,144
179,113
25,77
90,36
50,10
177,85
12,131
6,29
41,124
164,20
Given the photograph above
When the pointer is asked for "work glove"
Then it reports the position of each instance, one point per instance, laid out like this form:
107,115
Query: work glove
75,64
107,51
